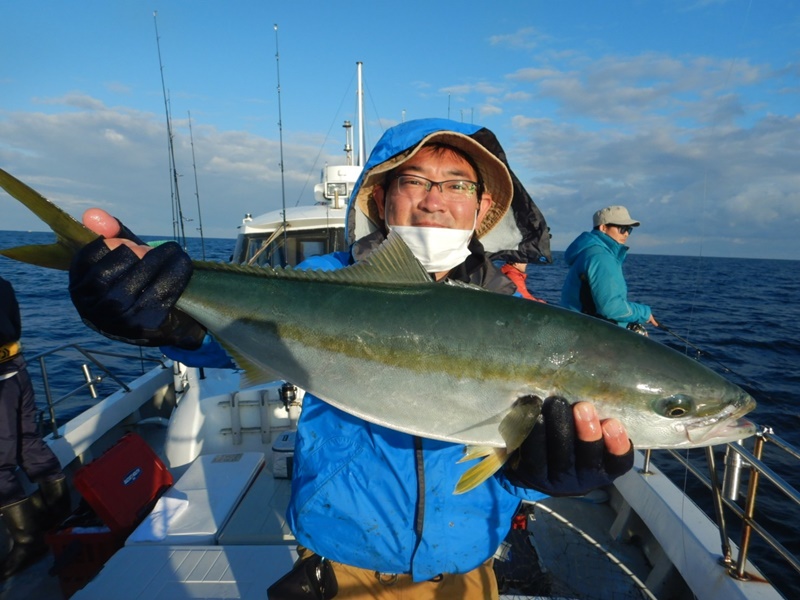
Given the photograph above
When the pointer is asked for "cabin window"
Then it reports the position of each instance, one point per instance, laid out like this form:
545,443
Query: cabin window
299,245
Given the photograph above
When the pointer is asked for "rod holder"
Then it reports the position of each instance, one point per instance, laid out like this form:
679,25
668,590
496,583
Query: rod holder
732,476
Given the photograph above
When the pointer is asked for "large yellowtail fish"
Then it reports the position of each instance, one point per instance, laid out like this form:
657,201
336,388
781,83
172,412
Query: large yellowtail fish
383,342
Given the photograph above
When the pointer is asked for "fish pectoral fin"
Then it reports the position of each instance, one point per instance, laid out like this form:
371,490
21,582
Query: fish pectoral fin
474,476
252,373
514,428
519,422
473,452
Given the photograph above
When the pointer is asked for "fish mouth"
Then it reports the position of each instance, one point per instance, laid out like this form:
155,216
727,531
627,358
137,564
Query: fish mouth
721,432
725,426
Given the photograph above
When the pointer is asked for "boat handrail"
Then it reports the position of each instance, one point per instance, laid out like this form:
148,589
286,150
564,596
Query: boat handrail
90,380
737,459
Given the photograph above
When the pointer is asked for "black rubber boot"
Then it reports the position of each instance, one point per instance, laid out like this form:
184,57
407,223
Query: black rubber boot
56,501
24,527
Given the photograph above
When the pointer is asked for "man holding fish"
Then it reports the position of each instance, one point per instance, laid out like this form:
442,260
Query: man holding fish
376,502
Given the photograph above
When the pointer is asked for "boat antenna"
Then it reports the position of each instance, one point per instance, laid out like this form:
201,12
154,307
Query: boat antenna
361,144
280,138
197,190
348,142
178,231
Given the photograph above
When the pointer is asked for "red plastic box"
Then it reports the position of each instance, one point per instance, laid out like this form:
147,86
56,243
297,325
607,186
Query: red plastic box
123,485
80,556
120,488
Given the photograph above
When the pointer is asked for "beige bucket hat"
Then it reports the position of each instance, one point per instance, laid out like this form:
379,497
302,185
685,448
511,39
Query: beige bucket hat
495,175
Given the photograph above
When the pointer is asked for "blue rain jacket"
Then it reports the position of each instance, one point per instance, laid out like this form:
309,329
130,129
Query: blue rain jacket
595,259
378,499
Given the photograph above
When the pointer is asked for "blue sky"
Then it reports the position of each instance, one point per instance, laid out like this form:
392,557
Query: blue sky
685,111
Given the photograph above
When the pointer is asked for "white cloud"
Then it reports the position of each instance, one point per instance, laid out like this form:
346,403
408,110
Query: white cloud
533,74
490,109
117,159
738,183
480,87
688,143
517,97
527,37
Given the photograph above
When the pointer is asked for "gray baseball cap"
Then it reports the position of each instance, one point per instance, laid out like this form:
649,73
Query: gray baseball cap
614,215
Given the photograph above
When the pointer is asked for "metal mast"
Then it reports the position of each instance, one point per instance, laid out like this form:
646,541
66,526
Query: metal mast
360,118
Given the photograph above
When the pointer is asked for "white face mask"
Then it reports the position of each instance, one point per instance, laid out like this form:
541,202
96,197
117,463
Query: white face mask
437,248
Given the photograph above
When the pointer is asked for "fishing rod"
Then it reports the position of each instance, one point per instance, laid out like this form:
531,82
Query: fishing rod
178,230
196,189
696,349
709,356
280,137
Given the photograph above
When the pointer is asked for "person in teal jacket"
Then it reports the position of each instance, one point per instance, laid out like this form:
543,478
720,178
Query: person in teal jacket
378,504
595,284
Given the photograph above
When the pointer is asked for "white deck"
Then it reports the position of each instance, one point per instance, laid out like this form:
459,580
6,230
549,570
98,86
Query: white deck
261,517
211,488
257,545
182,572
234,540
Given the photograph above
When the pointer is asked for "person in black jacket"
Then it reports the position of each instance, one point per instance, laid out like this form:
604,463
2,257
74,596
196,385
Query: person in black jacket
22,446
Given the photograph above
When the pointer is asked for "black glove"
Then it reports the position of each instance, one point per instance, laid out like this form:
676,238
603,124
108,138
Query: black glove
131,299
554,461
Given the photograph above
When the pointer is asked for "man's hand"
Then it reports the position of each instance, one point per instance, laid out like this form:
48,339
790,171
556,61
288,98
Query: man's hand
127,290
114,232
570,451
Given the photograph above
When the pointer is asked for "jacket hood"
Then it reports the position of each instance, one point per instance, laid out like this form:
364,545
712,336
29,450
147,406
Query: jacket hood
520,234
594,239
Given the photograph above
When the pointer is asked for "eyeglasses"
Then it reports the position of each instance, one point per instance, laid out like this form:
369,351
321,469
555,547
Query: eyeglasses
623,229
416,188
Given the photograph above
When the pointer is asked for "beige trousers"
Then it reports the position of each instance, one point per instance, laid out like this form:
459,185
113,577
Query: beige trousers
363,584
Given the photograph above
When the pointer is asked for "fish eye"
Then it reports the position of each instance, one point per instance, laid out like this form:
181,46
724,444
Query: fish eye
676,406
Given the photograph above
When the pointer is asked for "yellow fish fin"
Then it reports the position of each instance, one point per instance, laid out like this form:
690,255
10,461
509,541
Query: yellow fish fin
252,372
473,452
514,428
474,476
519,421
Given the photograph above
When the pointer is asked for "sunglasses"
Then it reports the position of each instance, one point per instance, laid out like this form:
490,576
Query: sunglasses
623,229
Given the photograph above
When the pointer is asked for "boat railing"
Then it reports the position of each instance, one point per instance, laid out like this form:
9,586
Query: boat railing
727,493
87,358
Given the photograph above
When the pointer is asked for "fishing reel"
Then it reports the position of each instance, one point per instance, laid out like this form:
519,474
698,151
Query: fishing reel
638,328
288,394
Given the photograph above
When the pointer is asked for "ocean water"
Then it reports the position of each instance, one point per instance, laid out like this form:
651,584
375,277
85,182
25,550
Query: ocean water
740,317
49,321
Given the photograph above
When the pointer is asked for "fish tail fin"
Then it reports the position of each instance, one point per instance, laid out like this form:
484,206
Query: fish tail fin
494,459
70,234
514,428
